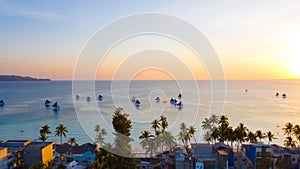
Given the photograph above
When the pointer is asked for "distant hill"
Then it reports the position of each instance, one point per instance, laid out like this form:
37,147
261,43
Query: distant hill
19,78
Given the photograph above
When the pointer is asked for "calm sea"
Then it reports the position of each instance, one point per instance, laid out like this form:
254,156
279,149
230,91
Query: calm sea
258,108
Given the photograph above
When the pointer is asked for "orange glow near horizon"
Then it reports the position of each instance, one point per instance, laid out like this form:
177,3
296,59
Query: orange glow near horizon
279,62
152,75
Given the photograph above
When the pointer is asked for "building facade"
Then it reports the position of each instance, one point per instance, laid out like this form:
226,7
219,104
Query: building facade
25,153
3,158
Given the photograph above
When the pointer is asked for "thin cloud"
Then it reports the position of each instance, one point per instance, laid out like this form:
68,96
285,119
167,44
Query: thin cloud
10,9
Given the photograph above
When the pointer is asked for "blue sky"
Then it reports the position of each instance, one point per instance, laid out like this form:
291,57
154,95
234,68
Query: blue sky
253,38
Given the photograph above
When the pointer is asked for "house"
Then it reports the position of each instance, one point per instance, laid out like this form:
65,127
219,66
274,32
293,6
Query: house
85,153
37,152
63,152
286,157
272,156
203,154
261,155
3,158
25,153
182,158
15,150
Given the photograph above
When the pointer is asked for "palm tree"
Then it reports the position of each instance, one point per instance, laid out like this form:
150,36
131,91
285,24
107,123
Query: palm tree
206,124
296,133
152,146
214,134
223,127
289,142
121,123
251,137
214,119
241,133
183,129
260,135
163,123
145,137
270,136
45,130
155,126
169,140
224,120
183,134
122,126
230,135
207,137
100,135
73,141
288,129
60,131
191,132
43,137
97,128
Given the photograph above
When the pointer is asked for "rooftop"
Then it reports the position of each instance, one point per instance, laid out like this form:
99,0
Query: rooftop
63,148
38,145
201,145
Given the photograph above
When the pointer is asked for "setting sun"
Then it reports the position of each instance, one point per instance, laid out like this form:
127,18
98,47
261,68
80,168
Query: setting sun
294,60
292,51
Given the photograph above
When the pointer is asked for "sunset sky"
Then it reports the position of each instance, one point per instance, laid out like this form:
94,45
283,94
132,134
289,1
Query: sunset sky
253,39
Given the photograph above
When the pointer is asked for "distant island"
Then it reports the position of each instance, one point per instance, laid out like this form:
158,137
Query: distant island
20,78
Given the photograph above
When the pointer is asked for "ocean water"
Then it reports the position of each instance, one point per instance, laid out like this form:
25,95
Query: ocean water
258,108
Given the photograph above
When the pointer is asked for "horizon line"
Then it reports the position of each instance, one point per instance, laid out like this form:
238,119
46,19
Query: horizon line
171,79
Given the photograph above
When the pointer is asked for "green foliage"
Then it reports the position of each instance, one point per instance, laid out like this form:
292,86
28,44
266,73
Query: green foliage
264,163
185,134
289,142
288,129
38,166
146,138
60,131
107,160
223,127
73,141
270,136
293,135
41,165
251,137
100,134
121,123
122,126
45,130
43,137
60,166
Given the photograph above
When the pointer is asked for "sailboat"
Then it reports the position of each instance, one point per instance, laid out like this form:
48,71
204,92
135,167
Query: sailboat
137,103
100,97
173,101
179,96
2,103
180,105
47,102
55,106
